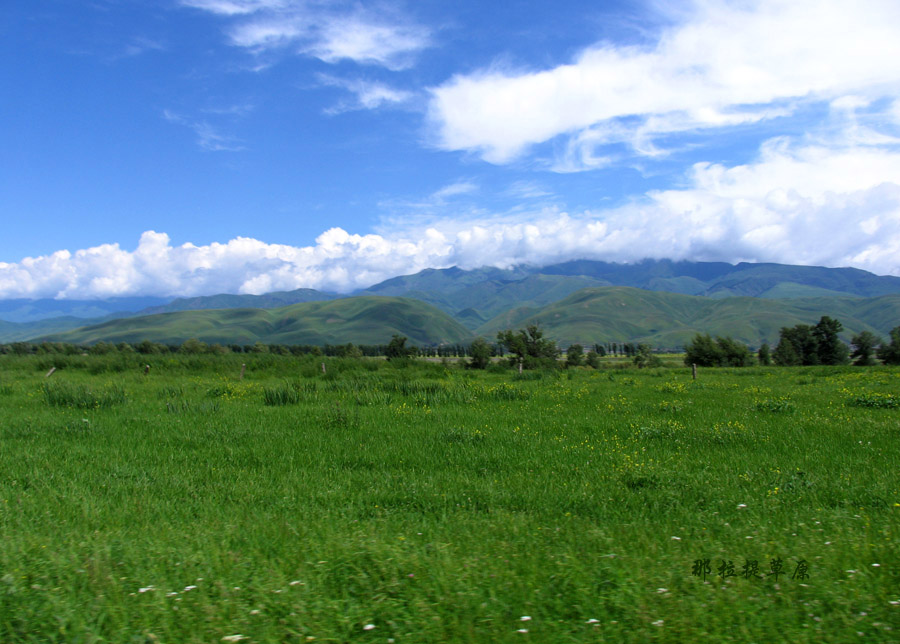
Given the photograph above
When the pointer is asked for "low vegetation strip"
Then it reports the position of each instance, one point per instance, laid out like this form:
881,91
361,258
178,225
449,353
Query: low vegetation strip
260,498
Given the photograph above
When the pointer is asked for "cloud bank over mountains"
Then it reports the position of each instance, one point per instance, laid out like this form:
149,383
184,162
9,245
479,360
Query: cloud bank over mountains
799,202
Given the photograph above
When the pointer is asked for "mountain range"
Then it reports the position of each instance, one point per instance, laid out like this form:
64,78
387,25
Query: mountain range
657,301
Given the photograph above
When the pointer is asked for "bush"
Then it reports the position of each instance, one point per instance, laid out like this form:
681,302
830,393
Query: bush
575,355
721,352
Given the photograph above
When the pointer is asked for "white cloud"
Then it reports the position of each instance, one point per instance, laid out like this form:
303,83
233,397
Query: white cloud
796,203
236,7
331,32
368,95
725,63
364,39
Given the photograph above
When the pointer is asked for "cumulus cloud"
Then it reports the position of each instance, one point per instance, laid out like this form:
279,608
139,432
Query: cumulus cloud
723,63
799,201
331,32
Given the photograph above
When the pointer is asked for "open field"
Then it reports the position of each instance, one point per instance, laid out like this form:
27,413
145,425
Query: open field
427,503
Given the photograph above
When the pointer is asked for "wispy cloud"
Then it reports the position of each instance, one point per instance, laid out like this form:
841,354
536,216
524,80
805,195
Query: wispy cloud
141,45
721,65
454,190
527,190
209,137
331,32
237,7
367,95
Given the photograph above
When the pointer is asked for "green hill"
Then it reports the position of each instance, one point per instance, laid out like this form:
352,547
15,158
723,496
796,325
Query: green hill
361,320
623,314
272,300
23,331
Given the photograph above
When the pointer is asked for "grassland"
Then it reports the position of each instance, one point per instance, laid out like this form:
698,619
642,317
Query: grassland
423,503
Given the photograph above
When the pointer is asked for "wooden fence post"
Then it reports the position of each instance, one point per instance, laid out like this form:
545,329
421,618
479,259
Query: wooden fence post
694,371
243,366
50,373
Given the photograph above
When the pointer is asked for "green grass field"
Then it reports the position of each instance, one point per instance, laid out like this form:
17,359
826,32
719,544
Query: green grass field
427,503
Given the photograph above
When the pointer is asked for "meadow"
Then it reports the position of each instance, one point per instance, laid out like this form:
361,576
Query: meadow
422,502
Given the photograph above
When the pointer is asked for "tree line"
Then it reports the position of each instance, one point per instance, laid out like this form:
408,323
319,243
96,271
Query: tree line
799,345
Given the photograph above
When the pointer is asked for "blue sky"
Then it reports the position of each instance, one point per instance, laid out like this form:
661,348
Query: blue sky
184,147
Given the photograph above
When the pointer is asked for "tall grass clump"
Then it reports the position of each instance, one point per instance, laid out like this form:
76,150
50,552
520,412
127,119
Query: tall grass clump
284,393
339,417
63,394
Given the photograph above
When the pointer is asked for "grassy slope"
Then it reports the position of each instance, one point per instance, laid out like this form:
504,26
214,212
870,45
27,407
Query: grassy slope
272,300
361,320
474,301
22,331
671,320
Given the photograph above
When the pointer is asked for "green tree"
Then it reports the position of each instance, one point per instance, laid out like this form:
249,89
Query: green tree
192,346
349,350
592,359
797,346
575,355
529,346
480,354
864,344
721,352
829,349
644,357
101,348
764,355
734,354
890,353
703,352
397,349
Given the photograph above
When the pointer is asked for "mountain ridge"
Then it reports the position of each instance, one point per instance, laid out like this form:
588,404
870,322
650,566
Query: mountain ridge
477,297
